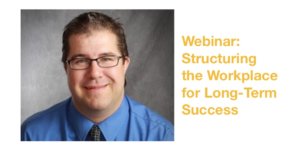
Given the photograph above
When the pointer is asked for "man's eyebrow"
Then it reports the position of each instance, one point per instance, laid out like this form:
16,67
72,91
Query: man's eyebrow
78,56
85,56
107,54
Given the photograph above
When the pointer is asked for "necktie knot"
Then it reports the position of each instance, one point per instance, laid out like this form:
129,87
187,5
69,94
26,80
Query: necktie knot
95,133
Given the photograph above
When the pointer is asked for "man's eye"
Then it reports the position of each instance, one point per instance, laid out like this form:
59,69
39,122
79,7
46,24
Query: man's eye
107,59
80,61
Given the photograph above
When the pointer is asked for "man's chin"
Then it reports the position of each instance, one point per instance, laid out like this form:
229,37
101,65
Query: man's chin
98,102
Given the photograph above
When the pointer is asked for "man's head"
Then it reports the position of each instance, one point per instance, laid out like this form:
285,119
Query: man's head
91,21
95,58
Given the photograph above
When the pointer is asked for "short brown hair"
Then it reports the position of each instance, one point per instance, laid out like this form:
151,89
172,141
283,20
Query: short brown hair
86,23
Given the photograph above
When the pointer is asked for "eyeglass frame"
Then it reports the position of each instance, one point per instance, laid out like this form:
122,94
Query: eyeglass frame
96,59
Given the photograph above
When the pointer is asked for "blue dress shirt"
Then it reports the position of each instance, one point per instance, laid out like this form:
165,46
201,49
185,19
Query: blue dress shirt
131,122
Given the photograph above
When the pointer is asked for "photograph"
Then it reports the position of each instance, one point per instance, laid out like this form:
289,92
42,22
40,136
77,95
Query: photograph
97,75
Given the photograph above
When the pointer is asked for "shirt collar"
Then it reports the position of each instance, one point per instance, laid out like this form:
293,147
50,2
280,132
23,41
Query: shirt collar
109,127
81,125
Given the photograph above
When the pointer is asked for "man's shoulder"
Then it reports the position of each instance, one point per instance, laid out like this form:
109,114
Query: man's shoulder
143,112
148,118
45,117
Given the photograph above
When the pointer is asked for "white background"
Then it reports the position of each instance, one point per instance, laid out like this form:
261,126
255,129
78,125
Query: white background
268,29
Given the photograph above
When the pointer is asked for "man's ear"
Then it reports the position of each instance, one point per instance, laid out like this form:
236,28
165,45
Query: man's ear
65,67
126,64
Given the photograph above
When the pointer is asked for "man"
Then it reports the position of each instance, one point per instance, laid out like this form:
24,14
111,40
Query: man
96,59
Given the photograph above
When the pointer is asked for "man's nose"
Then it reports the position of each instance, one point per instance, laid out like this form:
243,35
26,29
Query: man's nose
94,70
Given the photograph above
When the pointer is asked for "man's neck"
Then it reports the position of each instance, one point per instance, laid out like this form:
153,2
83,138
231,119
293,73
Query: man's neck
97,116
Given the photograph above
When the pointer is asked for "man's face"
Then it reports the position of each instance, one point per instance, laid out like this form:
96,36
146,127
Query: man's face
96,89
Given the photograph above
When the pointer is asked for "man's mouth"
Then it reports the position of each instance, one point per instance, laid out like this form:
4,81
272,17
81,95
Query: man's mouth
95,87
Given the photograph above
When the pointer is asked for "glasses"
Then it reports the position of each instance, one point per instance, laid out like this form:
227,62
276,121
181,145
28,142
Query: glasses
81,63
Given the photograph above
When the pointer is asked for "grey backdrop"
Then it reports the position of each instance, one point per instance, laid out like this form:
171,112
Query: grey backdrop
150,39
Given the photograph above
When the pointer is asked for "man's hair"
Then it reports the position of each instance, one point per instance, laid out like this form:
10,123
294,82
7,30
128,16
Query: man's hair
88,22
